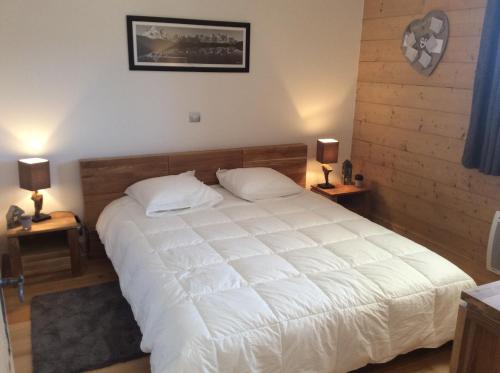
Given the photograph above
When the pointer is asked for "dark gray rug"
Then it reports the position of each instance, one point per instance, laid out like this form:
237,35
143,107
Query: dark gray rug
83,329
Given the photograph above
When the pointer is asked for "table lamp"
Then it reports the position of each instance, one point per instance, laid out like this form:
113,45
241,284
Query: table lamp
327,151
34,174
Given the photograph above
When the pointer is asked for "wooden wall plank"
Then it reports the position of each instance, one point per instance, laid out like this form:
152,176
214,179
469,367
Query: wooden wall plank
439,147
435,192
446,218
428,167
468,22
463,247
460,49
425,121
392,8
451,75
448,100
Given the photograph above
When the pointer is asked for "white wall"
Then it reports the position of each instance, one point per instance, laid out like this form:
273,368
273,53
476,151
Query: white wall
66,92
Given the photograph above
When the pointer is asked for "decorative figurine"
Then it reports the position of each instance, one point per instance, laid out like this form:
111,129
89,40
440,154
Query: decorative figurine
347,172
14,216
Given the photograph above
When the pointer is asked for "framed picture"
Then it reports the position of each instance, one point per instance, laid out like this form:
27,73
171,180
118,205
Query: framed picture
176,44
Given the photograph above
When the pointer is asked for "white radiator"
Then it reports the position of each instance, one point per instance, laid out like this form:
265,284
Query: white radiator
493,254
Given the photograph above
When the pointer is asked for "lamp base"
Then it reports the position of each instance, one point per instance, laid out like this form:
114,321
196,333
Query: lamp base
326,186
40,217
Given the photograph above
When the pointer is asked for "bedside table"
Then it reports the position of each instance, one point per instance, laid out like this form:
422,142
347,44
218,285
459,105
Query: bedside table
477,335
60,222
350,196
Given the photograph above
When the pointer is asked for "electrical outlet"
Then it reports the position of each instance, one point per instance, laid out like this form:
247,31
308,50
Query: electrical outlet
194,117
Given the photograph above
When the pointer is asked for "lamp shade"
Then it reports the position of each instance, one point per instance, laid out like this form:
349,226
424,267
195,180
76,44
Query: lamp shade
34,173
327,151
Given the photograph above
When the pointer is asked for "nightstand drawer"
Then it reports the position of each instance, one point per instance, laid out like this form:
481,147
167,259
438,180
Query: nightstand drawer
351,197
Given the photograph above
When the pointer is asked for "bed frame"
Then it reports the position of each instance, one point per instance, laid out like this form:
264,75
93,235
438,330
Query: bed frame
105,179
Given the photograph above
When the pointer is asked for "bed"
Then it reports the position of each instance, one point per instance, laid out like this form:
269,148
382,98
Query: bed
283,285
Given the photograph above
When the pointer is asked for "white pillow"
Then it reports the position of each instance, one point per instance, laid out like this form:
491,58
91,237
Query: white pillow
174,192
257,183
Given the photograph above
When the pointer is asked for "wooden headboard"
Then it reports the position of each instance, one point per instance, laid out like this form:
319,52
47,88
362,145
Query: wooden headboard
105,179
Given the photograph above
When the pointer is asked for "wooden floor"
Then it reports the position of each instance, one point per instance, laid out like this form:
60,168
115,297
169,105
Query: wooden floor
39,280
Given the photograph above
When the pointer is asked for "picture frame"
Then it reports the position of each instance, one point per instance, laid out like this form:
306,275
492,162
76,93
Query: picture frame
178,44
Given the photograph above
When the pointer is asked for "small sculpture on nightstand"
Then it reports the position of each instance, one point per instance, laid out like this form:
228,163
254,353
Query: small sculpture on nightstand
347,172
14,216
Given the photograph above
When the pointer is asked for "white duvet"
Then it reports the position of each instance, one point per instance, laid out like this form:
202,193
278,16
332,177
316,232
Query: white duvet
297,284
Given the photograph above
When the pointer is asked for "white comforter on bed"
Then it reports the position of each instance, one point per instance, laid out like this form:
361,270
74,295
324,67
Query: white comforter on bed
297,284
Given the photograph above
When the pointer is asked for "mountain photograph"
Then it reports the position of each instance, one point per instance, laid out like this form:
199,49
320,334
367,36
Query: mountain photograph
189,45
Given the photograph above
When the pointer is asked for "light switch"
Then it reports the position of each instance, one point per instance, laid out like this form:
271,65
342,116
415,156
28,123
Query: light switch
194,117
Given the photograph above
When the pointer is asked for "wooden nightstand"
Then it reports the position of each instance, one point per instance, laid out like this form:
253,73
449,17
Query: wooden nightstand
63,222
350,196
476,347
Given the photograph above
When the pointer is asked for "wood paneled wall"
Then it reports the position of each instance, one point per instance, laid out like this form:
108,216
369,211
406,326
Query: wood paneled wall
410,130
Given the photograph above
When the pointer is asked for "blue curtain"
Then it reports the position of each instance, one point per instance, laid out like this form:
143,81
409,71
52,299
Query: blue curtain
482,147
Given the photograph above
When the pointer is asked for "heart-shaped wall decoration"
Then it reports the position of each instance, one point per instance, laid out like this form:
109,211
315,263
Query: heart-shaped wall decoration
425,41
